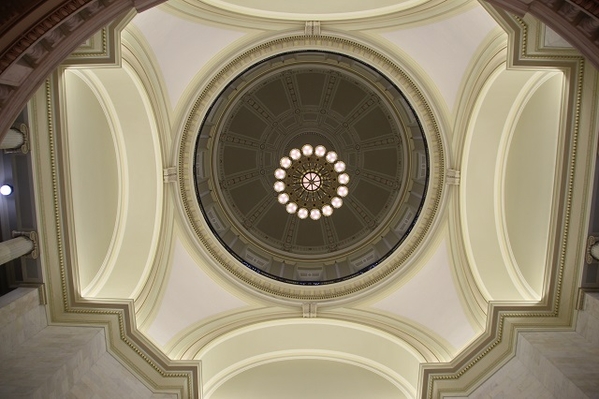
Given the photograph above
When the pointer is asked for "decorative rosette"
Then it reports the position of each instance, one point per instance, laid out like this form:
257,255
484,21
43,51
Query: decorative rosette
311,182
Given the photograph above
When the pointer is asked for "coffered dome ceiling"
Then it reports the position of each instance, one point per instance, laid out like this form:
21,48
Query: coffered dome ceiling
319,99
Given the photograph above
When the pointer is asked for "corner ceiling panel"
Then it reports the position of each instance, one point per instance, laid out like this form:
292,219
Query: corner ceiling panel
181,47
445,48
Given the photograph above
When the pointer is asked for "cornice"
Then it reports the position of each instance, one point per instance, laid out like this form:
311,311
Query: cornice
103,48
65,305
573,20
45,39
556,308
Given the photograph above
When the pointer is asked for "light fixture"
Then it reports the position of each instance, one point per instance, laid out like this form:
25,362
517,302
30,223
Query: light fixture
302,213
343,178
319,151
283,198
6,189
311,182
327,210
279,186
331,156
307,150
291,207
280,174
285,162
295,154
314,214
342,191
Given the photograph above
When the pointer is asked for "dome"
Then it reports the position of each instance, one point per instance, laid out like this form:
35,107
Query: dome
310,169
364,131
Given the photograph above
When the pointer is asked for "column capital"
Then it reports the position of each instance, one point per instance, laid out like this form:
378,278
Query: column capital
31,235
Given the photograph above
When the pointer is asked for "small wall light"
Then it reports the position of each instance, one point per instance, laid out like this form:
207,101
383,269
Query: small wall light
6,189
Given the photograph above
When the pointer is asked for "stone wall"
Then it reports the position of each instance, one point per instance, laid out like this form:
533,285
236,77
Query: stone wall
41,361
552,364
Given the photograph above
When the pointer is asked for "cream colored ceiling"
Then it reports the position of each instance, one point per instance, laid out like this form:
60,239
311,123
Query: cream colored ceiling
297,378
314,10
456,40
500,127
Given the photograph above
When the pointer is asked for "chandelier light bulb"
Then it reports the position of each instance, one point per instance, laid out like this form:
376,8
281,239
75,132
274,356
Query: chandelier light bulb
285,162
320,150
315,214
291,207
280,174
339,166
343,178
342,191
279,186
283,198
295,154
311,175
307,150
331,156
302,213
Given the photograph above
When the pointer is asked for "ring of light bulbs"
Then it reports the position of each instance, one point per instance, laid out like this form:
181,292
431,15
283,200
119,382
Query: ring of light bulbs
311,182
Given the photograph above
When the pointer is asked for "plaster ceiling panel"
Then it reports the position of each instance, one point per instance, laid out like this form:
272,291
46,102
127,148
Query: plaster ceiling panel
314,9
272,223
480,191
348,224
181,47
347,97
94,176
529,179
312,338
310,86
383,161
444,49
248,123
237,159
247,196
308,379
430,299
372,197
373,125
309,234
271,95
142,181
190,296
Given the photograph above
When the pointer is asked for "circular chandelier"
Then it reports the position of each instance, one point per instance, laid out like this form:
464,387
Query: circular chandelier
311,182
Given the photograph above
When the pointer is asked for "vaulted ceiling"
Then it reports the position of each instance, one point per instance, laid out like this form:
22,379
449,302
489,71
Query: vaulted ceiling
507,110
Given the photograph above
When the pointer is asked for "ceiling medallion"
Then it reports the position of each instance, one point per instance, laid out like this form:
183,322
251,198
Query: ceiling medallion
311,182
